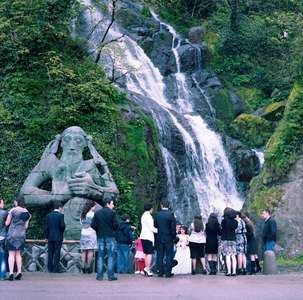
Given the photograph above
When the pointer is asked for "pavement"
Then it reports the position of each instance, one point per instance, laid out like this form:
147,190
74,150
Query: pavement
45,286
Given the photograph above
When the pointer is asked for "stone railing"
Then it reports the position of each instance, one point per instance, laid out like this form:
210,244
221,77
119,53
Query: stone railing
35,256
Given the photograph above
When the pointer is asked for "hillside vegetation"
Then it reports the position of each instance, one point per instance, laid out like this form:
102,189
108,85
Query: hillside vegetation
47,83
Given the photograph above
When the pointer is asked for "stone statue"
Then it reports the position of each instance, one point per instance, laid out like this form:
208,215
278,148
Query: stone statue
69,179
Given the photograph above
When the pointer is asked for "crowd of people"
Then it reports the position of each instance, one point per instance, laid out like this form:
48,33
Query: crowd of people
163,248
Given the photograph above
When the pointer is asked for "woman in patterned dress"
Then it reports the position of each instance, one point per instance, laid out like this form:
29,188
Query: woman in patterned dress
17,220
88,239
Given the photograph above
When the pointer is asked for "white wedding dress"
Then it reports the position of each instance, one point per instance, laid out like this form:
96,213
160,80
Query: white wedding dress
182,256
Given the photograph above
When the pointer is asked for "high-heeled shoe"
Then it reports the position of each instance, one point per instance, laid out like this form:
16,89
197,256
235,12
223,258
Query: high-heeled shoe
147,273
18,276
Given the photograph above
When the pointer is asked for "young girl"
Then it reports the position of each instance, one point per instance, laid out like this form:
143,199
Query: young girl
139,257
183,253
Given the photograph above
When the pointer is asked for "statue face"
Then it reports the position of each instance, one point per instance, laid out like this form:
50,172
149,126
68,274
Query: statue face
73,143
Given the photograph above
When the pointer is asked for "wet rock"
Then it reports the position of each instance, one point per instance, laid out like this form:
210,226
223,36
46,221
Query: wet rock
190,57
195,35
245,161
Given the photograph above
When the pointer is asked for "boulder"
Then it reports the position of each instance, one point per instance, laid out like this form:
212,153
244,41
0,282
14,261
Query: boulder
274,111
190,57
269,263
195,35
245,161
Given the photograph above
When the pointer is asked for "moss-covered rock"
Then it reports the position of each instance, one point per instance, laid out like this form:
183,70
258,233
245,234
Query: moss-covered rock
274,111
285,144
252,130
268,198
222,105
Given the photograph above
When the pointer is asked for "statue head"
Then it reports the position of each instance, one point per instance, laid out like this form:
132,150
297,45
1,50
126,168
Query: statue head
73,140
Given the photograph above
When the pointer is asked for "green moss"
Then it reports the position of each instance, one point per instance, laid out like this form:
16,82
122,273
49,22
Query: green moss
285,144
267,198
252,130
222,105
252,97
274,111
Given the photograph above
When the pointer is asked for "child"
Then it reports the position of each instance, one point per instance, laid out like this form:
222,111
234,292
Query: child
183,253
139,257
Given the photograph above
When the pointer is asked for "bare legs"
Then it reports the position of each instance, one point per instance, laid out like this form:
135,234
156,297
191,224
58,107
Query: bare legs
148,261
194,264
231,264
87,258
14,257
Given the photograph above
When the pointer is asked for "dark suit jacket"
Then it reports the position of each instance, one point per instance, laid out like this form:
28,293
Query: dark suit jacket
166,223
54,226
269,230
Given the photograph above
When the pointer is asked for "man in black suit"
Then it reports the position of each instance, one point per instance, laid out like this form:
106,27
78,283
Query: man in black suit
166,223
54,229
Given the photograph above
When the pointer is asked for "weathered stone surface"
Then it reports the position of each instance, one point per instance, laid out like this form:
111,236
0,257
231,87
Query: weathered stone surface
190,57
274,111
68,174
269,263
245,161
290,211
195,35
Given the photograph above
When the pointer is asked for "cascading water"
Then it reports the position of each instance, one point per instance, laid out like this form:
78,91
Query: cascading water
199,177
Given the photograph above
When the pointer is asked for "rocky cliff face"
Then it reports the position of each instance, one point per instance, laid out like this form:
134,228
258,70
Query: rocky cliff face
289,212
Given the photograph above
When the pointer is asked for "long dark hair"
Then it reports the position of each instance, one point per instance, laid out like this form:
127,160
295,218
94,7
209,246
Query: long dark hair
248,223
212,222
198,224
88,205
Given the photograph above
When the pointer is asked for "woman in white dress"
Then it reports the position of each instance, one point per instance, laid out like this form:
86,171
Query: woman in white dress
183,253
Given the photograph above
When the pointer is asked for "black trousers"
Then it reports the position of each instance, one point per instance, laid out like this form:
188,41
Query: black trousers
54,249
165,255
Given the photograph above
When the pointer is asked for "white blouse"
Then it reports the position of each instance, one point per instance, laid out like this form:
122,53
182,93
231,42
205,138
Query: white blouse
197,237
148,228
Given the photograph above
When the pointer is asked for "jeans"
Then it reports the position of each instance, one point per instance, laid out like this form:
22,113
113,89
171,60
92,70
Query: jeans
123,251
106,245
2,261
269,245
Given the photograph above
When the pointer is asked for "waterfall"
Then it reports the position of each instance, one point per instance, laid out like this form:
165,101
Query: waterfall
260,155
199,177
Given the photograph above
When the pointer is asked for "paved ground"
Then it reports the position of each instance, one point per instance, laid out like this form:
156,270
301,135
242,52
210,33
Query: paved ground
44,286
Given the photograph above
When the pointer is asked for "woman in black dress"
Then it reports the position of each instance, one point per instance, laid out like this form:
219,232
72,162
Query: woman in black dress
212,230
17,220
252,248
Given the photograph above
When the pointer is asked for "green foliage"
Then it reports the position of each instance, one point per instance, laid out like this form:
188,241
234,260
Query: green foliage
222,105
285,145
253,97
252,130
285,261
48,83
268,198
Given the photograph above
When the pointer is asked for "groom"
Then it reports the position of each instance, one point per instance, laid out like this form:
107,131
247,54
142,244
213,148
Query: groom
166,223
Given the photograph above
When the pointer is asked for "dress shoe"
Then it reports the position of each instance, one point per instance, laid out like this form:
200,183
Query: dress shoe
169,275
112,278
18,276
160,275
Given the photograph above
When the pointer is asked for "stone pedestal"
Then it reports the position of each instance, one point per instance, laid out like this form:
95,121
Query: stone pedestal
269,263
